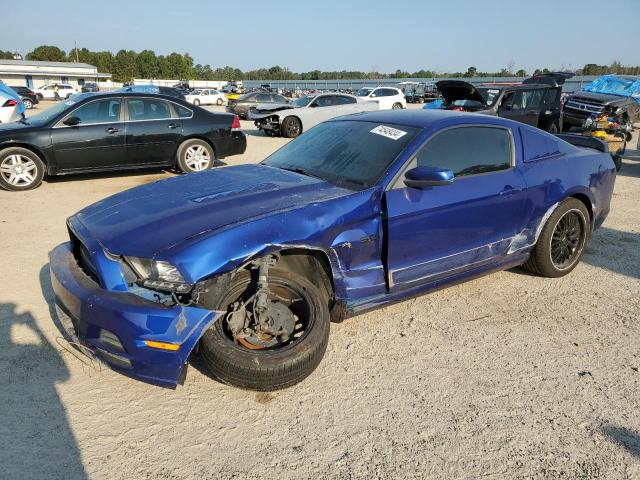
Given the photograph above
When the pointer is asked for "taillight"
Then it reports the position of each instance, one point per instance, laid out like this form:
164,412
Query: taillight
235,126
10,103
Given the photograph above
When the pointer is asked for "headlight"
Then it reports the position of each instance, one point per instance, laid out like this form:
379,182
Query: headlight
158,274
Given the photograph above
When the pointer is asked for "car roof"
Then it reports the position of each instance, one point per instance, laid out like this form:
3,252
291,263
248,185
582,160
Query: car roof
93,95
427,118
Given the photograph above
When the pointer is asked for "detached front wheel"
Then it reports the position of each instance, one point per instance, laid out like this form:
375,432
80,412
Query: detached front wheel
269,355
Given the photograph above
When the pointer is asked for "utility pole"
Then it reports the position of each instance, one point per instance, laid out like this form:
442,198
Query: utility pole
75,47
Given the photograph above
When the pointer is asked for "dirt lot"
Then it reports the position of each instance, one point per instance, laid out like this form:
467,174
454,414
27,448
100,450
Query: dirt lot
509,376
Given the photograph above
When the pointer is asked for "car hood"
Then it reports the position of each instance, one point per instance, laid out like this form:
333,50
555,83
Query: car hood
453,90
273,107
148,219
15,127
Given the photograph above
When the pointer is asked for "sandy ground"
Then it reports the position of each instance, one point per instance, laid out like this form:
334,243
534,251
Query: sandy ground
509,376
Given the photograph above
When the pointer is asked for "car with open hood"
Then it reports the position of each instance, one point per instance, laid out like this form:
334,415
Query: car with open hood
536,101
290,119
246,265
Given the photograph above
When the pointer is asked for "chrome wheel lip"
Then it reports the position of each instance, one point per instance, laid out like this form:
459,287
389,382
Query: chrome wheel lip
567,240
197,158
18,170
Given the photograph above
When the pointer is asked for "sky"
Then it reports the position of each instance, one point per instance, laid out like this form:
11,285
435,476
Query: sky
445,36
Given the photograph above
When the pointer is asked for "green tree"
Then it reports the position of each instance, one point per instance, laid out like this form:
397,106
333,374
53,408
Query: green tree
521,73
147,65
471,72
47,53
6,55
124,66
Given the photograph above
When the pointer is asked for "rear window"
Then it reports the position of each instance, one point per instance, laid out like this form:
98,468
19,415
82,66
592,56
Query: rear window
352,154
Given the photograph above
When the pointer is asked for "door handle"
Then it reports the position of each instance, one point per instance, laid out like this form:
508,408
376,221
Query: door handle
112,130
172,126
509,190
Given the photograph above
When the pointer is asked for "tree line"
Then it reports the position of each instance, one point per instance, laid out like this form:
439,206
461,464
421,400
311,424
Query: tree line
125,65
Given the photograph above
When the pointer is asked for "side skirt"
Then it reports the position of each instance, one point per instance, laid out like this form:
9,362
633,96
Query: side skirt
371,303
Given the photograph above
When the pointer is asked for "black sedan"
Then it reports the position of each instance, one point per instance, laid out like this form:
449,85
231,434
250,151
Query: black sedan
115,131
249,101
28,96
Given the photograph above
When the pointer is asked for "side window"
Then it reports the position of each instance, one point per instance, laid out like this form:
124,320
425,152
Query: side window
468,150
263,97
324,101
100,111
376,93
552,98
341,100
148,109
183,112
278,98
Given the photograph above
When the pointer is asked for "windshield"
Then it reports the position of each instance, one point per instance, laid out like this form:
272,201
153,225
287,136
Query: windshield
50,113
350,154
363,92
304,101
490,95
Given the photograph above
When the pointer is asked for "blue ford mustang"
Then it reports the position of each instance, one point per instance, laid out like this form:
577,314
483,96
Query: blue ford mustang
249,264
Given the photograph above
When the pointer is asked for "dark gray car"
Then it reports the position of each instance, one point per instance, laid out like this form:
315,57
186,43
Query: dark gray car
249,101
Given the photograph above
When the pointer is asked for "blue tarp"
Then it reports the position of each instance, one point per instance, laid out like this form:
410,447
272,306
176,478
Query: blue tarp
11,93
615,85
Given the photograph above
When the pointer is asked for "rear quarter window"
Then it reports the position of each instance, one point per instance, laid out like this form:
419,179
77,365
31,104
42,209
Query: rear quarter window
538,145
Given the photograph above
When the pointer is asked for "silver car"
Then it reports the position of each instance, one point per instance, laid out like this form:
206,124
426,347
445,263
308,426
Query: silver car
291,119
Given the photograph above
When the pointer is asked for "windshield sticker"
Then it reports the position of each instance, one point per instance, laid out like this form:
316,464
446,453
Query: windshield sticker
392,133
493,91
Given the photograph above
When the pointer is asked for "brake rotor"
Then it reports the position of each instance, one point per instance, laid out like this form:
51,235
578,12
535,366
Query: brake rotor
279,327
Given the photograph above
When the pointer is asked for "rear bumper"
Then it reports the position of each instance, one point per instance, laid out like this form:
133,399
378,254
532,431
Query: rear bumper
235,144
132,319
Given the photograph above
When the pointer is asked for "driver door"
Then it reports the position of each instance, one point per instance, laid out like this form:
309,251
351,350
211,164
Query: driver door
522,106
437,232
96,142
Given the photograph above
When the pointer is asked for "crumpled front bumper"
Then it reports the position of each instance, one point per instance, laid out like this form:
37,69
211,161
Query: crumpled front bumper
131,318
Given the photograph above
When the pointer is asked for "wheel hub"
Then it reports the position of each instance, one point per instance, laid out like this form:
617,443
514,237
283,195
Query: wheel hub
277,326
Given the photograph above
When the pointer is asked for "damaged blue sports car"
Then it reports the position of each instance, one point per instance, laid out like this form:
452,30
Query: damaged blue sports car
248,265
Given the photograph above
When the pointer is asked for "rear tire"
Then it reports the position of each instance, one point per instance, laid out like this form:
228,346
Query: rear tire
195,155
196,102
20,169
273,368
28,104
396,106
291,127
562,240
219,102
553,128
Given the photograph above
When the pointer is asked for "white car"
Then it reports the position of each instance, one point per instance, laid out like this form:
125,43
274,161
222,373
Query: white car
48,92
388,98
292,119
206,96
11,106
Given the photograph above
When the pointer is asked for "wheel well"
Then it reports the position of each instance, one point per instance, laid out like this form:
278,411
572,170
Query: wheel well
587,203
312,264
26,146
197,137
292,116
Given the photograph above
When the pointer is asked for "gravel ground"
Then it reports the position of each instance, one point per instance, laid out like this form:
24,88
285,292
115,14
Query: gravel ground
508,376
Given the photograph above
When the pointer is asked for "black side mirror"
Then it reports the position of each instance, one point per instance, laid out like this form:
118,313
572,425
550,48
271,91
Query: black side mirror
72,121
420,177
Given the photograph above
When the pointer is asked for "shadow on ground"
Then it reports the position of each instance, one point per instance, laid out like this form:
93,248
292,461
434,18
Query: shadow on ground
627,439
36,440
609,249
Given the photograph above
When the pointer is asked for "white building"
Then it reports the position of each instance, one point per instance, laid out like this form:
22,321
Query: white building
35,74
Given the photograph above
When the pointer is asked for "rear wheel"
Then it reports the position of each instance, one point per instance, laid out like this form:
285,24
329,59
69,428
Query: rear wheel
196,102
28,104
562,240
195,156
291,127
553,129
277,354
396,106
219,102
20,169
